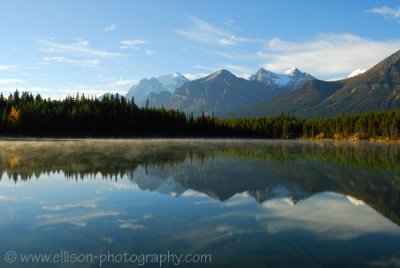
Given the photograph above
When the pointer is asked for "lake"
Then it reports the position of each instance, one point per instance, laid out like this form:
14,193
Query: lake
199,203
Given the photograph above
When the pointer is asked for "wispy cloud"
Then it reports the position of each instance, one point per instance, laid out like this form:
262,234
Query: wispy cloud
241,71
9,81
35,90
388,12
82,204
110,28
328,55
231,24
81,46
85,63
194,76
81,42
124,82
4,67
205,32
90,90
130,224
135,43
232,55
77,220
149,52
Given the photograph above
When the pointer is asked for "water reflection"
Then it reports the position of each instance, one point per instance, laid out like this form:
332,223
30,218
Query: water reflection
263,203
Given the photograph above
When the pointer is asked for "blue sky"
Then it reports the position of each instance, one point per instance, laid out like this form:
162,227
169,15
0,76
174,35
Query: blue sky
62,47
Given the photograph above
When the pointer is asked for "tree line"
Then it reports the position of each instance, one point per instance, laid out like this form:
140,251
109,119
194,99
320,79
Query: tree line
26,115
363,126
80,116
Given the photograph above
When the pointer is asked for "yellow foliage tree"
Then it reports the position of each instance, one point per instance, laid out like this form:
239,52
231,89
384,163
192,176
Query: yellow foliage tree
14,116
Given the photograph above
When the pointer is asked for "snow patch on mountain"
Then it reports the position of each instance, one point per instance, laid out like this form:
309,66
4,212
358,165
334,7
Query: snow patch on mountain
172,81
357,72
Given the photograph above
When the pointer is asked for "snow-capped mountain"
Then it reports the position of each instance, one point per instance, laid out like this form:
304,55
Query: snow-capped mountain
219,92
145,87
172,81
287,80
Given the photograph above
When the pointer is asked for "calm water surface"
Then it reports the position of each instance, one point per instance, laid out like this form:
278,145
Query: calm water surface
245,203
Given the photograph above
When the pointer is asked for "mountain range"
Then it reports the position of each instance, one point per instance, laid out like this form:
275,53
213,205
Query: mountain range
218,93
377,89
267,93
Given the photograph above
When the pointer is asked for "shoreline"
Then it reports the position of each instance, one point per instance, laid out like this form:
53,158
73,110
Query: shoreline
349,139
352,139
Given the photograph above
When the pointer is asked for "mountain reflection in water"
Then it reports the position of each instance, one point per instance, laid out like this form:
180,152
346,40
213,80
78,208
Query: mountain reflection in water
328,189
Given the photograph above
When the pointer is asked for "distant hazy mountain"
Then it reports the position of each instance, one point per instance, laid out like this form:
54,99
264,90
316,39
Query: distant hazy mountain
142,90
160,99
219,93
284,82
110,95
145,87
377,89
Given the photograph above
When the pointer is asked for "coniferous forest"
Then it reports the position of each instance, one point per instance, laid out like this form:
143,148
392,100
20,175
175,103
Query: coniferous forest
26,115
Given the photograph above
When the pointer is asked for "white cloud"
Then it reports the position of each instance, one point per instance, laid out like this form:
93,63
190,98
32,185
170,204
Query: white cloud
124,82
328,55
85,63
233,56
149,52
192,193
207,68
241,71
8,81
9,89
132,43
110,28
386,11
82,204
81,42
205,32
48,49
194,76
79,47
131,224
79,221
4,67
